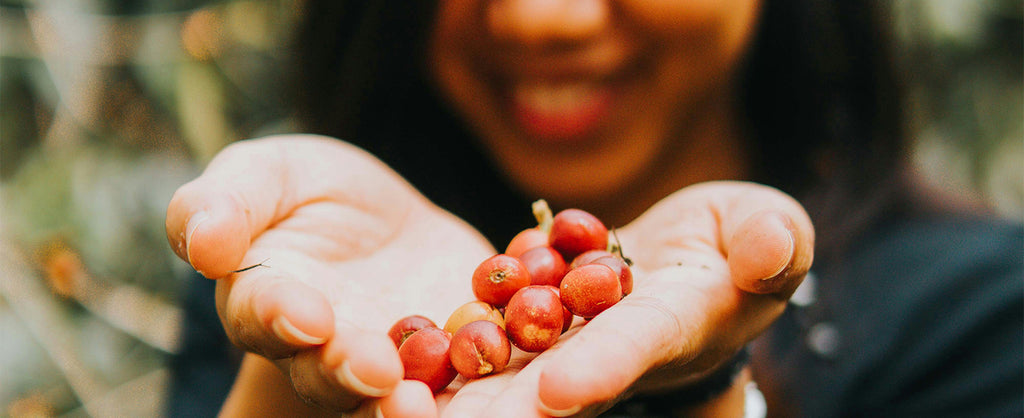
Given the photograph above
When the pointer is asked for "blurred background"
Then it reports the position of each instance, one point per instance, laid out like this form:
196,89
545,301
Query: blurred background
107,106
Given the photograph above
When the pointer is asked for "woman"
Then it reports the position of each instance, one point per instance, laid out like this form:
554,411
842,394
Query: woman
611,106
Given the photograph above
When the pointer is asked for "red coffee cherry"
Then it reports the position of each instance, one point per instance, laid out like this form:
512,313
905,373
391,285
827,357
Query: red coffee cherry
405,327
566,314
497,278
589,256
526,240
618,265
534,318
545,265
589,289
575,231
480,348
425,358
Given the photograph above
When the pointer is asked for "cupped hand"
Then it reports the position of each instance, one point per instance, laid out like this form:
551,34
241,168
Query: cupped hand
342,248
714,265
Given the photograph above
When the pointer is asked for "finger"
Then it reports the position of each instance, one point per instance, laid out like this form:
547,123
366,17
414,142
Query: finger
261,390
212,219
353,366
265,312
766,236
762,254
410,399
474,396
511,393
252,185
517,399
769,241
601,361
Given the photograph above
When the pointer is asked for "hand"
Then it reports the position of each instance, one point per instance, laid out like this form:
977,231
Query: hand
714,266
343,247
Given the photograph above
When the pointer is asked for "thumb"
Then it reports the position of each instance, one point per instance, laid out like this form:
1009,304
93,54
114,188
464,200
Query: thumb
252,185
212,219
769,250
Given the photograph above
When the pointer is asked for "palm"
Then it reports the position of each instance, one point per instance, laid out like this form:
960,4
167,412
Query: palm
685,315
681,248
375,262
349,247
342,246
338,221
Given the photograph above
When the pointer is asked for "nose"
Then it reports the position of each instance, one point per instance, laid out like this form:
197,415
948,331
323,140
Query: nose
544,22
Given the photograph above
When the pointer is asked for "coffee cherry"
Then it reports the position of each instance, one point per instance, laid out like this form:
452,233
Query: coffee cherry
534,318
609,259
526,240
545,265
589,289
566,314
425,358
497,278
574,231
620,267
473,311
589,256
405,327
480,348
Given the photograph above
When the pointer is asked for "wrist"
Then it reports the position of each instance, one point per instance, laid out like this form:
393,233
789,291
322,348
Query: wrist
701,392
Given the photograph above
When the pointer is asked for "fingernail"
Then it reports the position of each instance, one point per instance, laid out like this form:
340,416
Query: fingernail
781,223
349,379
284,330
377,412
558,412
179,247
190,229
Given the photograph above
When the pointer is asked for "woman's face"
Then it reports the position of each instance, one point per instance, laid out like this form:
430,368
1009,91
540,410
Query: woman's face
576,99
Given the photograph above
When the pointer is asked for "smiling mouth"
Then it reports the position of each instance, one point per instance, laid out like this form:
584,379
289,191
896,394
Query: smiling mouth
559,112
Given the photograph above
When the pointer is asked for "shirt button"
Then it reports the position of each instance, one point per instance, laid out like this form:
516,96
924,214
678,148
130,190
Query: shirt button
806,293
823,339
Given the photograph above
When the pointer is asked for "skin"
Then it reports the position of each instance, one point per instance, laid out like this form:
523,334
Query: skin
677,310
332,231
670,64
340,232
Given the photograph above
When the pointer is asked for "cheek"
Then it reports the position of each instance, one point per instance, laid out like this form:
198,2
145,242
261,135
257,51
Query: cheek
723,23
669,15
699,41
455,35
453,25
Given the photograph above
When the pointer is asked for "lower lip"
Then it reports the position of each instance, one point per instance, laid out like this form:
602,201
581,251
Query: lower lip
567,126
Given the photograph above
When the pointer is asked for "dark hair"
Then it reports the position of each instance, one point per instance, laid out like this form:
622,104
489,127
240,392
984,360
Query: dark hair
824,106
818,92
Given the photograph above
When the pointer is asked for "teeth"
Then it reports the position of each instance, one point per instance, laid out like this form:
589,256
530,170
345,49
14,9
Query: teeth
555,98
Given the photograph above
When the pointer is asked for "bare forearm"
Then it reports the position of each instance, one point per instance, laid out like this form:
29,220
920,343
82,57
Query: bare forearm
261,390
730,403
